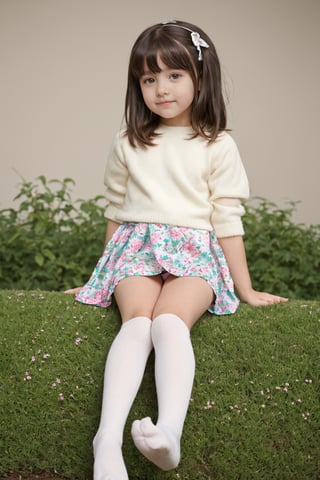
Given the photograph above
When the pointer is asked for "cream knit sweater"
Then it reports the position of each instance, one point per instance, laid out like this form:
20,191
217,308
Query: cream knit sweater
179,182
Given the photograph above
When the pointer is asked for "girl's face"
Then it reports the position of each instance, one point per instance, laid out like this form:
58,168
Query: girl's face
169,94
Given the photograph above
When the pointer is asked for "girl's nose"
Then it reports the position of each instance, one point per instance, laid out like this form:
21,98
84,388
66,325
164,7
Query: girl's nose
162,89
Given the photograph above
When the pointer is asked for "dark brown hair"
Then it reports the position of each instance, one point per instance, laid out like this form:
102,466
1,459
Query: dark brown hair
174,45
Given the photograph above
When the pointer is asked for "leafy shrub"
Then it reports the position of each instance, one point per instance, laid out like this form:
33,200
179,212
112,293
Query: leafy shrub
51,242
283,257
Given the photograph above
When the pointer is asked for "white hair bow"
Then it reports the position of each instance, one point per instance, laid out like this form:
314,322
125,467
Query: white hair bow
198,42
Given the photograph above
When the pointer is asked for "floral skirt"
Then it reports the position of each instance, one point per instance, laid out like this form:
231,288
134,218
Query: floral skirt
147,249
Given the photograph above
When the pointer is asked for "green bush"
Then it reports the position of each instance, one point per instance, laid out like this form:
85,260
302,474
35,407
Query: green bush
51,242
283,257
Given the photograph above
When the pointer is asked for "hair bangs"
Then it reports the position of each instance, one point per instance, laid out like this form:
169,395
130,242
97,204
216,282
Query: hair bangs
177,56
172,53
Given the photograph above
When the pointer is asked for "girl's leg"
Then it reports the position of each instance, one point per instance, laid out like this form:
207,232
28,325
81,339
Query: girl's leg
124,370
181,303
186,297
138,296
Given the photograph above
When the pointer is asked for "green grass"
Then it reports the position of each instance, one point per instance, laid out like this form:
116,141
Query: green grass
254,413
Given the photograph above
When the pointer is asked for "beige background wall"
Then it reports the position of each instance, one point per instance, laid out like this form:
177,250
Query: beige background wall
63,73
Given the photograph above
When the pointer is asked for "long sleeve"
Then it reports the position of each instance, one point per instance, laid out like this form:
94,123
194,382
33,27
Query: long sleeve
115,179
228,186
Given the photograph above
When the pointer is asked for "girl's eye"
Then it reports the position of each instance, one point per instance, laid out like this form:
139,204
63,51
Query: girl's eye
147,81
175,76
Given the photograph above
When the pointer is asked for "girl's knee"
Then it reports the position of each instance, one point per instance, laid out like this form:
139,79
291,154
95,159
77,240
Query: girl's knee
139,312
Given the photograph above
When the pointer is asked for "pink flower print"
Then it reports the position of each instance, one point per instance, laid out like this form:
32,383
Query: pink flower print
156,237
191,248
176,235
140,269
135,245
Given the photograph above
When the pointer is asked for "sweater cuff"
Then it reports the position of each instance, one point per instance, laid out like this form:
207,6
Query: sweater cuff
228,229
111,213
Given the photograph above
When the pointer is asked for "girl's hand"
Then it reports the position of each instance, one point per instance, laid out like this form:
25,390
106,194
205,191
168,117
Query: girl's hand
73,291
261,299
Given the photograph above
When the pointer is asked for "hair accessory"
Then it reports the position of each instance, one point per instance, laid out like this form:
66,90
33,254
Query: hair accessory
197,41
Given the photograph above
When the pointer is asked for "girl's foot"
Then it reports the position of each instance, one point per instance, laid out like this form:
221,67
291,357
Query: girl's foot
108,460
157,445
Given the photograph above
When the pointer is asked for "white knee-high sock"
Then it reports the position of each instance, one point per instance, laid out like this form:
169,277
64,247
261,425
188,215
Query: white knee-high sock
174,374
124,371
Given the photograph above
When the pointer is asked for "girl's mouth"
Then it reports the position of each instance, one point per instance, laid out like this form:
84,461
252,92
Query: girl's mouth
165,102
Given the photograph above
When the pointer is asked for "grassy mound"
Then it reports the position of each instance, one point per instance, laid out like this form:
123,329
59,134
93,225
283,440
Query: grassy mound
254,413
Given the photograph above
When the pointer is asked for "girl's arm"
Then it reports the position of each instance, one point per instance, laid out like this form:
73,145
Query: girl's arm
111,228
234,251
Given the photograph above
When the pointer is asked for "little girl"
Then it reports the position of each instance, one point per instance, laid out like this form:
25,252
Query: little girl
174,245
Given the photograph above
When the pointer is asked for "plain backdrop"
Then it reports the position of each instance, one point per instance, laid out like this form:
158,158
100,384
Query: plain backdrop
63,67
